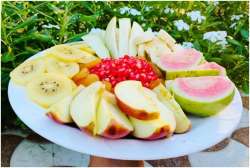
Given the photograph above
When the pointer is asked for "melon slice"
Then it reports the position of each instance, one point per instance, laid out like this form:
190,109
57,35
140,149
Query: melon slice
213,65
203,96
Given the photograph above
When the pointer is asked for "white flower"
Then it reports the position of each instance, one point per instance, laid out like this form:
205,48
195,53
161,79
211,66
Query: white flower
236,17
49,26
168,10
128,10
148,8
124,10
218,37
233,25
134,12
187,45
196,16
181,25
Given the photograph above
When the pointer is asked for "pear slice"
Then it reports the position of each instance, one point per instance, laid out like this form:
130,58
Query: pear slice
124,33
136,30
169,40
111,39
134,101
84,105
111,122
144,37
96,43
163,126
183,124
60,111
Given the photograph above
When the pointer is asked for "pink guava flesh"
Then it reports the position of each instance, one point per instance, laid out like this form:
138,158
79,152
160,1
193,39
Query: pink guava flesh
205,87
181,59
212,65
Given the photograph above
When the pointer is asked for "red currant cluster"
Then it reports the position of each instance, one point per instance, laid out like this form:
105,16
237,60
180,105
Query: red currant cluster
125,68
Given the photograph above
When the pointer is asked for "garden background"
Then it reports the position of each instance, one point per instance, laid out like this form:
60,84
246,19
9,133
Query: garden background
218,29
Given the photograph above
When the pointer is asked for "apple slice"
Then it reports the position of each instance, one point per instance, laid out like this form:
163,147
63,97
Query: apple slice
183,124
111,122
96,43
134,101
164,126
124,33
84,105
144,37
110,38
136,30
60,111
141,50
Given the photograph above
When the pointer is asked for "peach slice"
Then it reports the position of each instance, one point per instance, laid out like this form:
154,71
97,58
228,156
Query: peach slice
134,101
111,122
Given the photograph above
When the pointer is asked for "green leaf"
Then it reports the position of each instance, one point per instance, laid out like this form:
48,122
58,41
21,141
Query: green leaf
27,22
245,87
234,42
244,33
7,57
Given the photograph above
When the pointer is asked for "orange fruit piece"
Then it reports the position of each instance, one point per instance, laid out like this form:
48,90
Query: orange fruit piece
89,79
80,75
108,85
92,63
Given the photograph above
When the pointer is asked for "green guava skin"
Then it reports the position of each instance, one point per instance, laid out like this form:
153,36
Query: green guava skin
202,109
191,73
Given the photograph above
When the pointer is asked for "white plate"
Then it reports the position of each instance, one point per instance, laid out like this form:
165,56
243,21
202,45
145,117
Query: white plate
205,132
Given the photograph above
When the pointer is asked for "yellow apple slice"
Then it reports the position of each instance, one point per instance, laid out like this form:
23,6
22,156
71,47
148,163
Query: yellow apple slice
60,111
183,124
124,33
111,122
134,101
136,30
84,105
164,126
110,38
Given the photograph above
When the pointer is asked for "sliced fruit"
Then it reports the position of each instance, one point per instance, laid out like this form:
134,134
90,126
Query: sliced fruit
182,59
170,75
155,49
60,111
124,34
164,126
183,124
47,89
111,122
110,38
203,96
169,40
141,50
84,105
136,30
213,65
144,37
27,71
88,80
92,63
97,44
87,58
83,47
138,104
84,72
66,68
66,53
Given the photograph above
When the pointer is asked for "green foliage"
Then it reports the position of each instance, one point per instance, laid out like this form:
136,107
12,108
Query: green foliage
23,34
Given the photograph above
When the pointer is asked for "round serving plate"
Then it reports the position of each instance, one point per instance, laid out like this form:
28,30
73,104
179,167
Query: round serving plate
205,132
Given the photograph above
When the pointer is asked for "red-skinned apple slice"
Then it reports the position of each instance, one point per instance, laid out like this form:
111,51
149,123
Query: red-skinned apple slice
134,101
111,122
84,105
162,127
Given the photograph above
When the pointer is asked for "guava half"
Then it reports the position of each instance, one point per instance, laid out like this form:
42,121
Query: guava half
203,96
214,66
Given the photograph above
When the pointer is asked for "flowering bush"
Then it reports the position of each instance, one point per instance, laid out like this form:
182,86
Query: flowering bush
218,29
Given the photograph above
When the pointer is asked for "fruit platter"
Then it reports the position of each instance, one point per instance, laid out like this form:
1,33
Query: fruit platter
126,93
